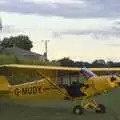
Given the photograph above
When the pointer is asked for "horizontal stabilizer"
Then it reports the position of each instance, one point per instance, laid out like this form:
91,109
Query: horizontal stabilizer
4,85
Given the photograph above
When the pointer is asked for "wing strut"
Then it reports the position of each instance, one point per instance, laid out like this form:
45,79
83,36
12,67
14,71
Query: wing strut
48,79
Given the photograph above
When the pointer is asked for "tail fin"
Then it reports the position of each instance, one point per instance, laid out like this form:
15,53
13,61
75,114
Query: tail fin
4,85
87,73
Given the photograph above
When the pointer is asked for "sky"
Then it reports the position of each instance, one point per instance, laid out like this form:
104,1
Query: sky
83,30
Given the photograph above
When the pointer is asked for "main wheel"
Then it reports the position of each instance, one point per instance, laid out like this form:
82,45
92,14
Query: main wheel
100,109
78,110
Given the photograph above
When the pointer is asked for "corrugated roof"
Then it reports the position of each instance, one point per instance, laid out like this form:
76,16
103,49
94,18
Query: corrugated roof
20,51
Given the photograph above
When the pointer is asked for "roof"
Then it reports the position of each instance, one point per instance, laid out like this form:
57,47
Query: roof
19,51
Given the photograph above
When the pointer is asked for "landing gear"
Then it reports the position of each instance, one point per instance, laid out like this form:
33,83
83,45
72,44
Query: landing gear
100,109
85,104
78,110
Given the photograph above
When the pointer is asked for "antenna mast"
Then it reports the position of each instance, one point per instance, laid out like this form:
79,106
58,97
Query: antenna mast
0,29
0,32
0,24
46,48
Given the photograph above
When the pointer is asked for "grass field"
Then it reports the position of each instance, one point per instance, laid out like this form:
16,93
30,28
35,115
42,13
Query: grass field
59,111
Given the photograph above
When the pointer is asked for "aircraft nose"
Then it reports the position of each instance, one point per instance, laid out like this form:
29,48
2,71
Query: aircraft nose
115,81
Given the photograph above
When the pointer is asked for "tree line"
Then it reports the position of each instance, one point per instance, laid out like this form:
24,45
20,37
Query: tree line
24,42
100,63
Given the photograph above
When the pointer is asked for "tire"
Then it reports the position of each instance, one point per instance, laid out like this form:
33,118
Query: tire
78,110
101,109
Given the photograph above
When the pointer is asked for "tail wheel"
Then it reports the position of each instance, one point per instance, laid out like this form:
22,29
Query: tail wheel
101,109
78,110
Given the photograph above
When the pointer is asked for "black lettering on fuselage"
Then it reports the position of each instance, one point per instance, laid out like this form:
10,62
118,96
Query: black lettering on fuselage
27,91
24,91
17,91
34,90
39,89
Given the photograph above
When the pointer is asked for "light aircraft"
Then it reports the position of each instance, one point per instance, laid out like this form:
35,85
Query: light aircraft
52,83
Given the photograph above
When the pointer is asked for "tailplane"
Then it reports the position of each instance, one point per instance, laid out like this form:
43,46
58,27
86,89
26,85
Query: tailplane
4,85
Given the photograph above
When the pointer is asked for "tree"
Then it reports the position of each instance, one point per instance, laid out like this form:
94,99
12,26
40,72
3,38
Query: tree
66,62
21,41
110,63
99,63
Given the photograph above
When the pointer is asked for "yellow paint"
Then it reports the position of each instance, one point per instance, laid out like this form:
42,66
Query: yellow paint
46,88
98,85
41,90
4,83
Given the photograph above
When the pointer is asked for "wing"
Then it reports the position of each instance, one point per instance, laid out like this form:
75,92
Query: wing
28,73
39,67
106,71
91,72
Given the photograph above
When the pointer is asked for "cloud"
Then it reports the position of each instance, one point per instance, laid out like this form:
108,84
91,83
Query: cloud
79,9
102,32
114,45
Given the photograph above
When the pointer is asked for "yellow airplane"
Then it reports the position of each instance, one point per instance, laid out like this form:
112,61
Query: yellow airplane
57,83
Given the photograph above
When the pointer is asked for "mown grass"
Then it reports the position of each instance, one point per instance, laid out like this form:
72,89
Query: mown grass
32,110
